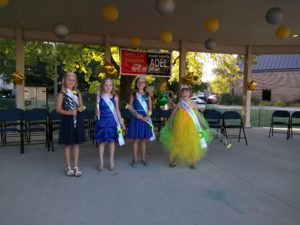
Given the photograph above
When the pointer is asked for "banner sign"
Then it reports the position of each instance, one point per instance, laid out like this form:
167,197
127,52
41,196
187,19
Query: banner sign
145,63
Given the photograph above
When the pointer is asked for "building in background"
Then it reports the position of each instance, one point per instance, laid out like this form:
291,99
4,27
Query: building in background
277,78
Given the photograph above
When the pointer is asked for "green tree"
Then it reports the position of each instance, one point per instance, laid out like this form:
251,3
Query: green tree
7,58
220,85
227,71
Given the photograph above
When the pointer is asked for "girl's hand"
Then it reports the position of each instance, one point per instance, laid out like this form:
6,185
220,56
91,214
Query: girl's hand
123,127
74,112
139,116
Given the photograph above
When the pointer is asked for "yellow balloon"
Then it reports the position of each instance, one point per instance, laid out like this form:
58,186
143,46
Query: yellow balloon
211,24
3,3
166,37
18,77
135,42
251,85
110,13
282,32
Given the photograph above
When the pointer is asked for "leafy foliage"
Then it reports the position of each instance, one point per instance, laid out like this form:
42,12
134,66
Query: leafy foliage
7,58
227,71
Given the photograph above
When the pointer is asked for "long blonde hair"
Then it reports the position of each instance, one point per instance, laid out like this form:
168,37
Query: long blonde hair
101,86
63,82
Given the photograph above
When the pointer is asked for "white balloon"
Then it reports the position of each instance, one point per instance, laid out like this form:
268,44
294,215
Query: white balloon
60,30
274,15
165,7
210,44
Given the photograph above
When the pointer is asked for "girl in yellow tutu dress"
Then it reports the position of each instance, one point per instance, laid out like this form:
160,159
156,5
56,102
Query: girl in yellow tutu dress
186,135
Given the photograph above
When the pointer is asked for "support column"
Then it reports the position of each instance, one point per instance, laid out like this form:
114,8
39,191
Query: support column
246,93
107,48
182,65
20,68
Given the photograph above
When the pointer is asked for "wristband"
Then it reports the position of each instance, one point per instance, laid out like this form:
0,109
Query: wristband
149,113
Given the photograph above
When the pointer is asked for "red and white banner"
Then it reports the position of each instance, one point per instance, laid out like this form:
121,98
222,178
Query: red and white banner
135,62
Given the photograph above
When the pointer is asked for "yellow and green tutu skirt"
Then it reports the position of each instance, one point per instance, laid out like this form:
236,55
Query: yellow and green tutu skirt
182,140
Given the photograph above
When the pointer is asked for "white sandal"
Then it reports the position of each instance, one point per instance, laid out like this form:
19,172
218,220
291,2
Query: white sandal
77,172
69,172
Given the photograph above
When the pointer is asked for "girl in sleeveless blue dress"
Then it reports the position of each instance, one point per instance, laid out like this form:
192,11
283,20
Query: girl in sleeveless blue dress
106,128
138,129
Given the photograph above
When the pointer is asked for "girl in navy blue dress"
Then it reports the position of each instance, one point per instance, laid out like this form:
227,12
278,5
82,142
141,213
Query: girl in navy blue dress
71,131
140,127
109,125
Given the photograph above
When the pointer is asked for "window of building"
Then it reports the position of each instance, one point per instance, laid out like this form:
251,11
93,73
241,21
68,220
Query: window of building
266,95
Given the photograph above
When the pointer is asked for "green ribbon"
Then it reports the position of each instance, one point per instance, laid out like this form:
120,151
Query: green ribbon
201,135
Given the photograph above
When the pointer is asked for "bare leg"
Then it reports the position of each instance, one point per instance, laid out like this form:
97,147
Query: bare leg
143,143
77,172
144,155
67,156
69,170
101,154
135,149
135,152
76,155
112,155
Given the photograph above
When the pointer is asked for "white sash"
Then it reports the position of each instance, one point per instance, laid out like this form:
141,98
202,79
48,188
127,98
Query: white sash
186,106
75,104
113,110
74,97
98,102
144,105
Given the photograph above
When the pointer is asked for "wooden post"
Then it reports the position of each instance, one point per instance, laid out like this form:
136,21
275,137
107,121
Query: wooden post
182,65
20,68
246,92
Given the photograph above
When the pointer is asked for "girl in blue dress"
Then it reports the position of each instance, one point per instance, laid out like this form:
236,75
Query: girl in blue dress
140,127
71,131
109,125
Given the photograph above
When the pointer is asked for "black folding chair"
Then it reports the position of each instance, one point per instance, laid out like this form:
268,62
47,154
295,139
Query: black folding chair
295,121
165,115
36,123
11,122
280,119
155,117
54,123
214,119
126,115
88,117
233,120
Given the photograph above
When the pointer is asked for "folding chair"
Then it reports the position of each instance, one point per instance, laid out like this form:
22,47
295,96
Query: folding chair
126,115
280,118
36,122
214,119
295,121
11,121
54,123
233,120
165,115
155,117
88,117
